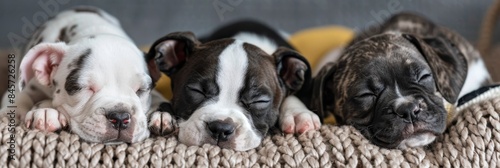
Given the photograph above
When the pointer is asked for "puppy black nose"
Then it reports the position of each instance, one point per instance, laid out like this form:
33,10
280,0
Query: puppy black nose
119,120
221,130
408,111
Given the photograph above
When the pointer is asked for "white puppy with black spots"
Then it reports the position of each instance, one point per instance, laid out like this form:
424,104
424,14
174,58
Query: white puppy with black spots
83,71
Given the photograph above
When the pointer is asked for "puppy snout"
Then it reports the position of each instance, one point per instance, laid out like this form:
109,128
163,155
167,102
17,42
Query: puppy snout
408,111
221,130
119,119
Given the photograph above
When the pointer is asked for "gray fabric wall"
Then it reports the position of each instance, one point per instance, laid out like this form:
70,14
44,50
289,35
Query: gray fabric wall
147,20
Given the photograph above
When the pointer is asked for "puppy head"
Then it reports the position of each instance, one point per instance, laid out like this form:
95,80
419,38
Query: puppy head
227,92
393,88
100,83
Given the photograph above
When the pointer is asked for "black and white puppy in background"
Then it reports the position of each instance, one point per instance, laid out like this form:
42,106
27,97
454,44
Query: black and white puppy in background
232,88
398,82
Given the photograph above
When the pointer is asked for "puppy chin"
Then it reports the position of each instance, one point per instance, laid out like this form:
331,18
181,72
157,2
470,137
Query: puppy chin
417,141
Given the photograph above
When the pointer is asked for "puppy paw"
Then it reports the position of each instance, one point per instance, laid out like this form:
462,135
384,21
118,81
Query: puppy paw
161,123
45,119
299,121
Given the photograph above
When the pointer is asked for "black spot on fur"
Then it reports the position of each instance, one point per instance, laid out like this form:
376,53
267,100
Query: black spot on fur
72,28
62,35
165,107
54,83
72,86
33,87
58,90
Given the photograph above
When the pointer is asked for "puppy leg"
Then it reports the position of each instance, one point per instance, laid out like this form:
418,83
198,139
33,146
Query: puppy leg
45,118
160,120
296,118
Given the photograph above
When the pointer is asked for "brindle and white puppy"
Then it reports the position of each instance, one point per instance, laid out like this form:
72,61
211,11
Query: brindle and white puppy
82,70
233,89
394,81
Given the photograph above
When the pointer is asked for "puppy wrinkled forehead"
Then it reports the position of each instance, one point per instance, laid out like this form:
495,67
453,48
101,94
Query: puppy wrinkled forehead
392,47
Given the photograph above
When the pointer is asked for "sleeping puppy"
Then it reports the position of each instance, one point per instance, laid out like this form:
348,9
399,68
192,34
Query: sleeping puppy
70,77
231,89
396,82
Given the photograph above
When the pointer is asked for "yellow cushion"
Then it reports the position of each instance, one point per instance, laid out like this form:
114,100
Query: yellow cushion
312,43
316,42
163,84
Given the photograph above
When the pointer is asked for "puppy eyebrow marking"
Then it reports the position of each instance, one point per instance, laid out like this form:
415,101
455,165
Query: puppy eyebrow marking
71,84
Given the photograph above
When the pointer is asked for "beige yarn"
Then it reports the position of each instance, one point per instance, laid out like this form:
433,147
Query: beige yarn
473,141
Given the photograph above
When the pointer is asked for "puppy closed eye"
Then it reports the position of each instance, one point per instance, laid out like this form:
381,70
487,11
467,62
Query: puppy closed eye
425,78
258,103
365,100
258,106
141,91
365,97
197,90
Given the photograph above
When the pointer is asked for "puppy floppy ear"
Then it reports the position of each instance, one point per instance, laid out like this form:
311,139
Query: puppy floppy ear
447,62
42,62
168,54
321,92
293,69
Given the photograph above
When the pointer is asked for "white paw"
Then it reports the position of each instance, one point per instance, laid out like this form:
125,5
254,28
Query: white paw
161,123
45,119
299,121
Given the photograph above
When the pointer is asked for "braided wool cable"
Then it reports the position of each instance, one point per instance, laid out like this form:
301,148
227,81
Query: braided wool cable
473,140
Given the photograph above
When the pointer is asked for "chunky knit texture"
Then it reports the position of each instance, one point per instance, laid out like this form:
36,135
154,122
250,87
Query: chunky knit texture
473,140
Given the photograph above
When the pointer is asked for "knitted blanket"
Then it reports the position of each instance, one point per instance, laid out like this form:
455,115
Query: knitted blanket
472,141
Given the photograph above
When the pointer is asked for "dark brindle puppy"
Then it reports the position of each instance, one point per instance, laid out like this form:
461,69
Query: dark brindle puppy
394,83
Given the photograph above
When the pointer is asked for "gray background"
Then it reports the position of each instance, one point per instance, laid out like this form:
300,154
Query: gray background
145,21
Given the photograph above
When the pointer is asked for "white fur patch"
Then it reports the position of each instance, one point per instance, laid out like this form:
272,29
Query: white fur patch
417,140
476,75
232,70
295,117
262,42
233,63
